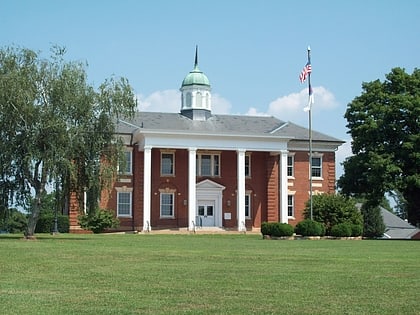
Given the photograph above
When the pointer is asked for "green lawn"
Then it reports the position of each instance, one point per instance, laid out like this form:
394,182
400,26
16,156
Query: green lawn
206,274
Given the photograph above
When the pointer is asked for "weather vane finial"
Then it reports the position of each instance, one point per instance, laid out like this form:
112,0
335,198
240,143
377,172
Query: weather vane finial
196,56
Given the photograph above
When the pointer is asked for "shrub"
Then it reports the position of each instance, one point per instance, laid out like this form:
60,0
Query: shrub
98,221
266,228
332,209
310,228
341,230
45,224
356,230
282,229
14,222
276,229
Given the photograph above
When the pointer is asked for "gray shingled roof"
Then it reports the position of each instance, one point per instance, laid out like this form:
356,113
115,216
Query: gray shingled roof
220,124
396,228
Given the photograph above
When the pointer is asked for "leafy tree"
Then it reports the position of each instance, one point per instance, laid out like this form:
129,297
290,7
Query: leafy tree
373,223
384,124
332,209
58,128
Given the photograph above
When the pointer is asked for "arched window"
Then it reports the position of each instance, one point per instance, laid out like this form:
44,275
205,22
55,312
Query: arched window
188,99
198,98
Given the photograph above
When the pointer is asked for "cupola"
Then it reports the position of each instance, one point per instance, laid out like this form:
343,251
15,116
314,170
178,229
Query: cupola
196,94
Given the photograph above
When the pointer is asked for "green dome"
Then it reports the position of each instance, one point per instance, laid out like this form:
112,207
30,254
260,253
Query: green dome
196,77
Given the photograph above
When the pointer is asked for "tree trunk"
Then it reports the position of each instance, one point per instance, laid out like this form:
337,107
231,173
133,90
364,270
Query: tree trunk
34,215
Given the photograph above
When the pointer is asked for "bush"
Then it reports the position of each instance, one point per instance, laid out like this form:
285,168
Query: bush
332,209
45,224
276,229
266,228
282,229
341,230
356,230
310,228
14,222
98,221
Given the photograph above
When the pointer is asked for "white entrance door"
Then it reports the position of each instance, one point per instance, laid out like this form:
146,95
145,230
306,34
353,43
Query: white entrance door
205,213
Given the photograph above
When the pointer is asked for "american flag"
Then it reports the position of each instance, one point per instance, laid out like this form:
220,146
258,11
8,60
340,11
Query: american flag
305,71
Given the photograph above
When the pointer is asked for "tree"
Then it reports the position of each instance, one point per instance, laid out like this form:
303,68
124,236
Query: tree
385,129
373,222
332,209
59,128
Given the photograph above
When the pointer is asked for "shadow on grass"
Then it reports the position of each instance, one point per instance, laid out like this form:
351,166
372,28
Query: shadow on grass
41,237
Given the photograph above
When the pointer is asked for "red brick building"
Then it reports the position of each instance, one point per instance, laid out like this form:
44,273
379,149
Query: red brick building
195,169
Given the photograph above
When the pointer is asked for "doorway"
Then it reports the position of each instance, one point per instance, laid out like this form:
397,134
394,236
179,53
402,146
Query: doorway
205,213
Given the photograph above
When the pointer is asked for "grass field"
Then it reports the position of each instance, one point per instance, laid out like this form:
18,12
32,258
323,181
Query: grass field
206,274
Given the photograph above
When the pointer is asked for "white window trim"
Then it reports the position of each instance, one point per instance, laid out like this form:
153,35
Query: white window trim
212,154
167,192
172,152
129,165
320,156
292,155
291,193
124,190
249,194
248,155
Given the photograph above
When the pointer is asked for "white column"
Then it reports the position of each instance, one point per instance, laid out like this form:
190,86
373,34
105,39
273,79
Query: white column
147,183
241,190
283,187
191,188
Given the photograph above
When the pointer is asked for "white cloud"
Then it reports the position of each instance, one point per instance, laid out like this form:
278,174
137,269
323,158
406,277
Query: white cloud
252,111
170,101
220,105
160,101
290,107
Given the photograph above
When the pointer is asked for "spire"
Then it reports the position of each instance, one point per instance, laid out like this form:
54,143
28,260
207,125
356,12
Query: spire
196,57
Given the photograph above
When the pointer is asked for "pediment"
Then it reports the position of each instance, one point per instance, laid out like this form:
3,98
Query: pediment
209,185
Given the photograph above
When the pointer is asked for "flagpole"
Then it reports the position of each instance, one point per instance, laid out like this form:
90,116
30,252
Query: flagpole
310,134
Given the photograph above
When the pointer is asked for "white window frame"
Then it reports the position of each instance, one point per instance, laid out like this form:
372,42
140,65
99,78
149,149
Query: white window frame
291,166
316,156
248,206
248,165
166,216
291,205
128,156
129,192
213,164
172,161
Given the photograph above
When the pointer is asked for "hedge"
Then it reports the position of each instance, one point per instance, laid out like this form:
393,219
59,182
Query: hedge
45,224
310,228
276,229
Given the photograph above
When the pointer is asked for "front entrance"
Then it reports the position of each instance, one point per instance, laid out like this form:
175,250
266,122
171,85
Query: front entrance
205,213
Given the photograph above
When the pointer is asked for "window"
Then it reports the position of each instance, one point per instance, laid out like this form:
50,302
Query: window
125,167
198,99
167,205
189,99
290,205
208,165
316,167
167,164
247,165
124,204
290,162
248,206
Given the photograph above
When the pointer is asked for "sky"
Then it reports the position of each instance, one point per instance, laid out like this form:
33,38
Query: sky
252,51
